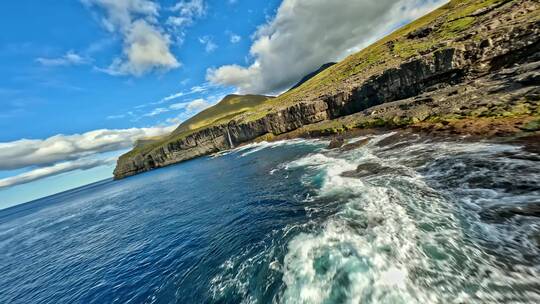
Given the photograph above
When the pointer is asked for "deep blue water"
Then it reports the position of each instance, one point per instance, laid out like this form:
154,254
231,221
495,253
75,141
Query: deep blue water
280,223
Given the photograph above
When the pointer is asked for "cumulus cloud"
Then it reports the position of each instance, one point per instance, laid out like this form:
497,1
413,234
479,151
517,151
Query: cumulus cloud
60,148
27,177
146,45
145,48
70,58
304,34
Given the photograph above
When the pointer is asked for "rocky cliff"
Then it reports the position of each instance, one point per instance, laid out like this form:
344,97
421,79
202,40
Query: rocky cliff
497,36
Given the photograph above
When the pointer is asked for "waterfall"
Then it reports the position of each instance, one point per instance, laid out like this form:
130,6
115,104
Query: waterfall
230,140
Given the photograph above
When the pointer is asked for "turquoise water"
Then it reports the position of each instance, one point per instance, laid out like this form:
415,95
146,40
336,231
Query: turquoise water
288,222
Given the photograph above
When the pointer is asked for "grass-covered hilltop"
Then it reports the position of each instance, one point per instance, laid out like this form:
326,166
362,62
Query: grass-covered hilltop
471,66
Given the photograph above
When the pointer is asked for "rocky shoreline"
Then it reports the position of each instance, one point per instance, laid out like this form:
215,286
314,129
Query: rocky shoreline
464,86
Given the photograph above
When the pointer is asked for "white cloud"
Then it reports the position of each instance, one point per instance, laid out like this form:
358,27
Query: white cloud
234,38
146,45
59,148
185,14
120,13
190,8
209,45
173,96
156,112
178,106
30,176
175,120
199,89
197,105
70,58
190,109
305,34
193,90
119,116
145,48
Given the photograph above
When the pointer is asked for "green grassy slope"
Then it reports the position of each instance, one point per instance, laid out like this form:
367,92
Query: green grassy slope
228,108
447,23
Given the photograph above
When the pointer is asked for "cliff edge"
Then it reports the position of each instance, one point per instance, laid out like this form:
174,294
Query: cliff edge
475,58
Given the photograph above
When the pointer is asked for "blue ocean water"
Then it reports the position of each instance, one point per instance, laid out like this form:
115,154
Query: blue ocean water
288,222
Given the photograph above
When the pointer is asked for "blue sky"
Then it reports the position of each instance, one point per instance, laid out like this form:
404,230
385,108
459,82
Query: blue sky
81,80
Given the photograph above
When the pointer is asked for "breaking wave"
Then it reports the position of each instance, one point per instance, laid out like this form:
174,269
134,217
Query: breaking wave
408,226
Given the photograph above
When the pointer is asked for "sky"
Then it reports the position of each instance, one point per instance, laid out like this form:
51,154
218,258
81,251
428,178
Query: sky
82,80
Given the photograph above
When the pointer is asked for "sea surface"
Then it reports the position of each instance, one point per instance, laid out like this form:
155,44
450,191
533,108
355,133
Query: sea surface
289,222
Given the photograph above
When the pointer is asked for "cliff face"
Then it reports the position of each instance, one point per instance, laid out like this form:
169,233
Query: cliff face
453,62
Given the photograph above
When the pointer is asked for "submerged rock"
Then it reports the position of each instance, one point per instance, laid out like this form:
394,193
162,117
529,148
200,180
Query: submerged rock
369,169
355,145
499,214
337,142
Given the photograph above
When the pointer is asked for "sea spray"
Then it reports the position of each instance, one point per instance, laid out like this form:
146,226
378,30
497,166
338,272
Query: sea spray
386,218
396,239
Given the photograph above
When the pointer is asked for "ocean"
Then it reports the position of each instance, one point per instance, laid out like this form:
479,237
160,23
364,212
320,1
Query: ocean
394,218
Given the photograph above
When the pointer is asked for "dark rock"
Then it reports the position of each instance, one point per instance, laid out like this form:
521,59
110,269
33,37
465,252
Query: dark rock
420,33
500,214
355,145
536,238
336,142
531,79
451,65
369,169
486,43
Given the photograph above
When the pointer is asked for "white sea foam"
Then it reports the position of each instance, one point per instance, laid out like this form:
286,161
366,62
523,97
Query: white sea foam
396,240
399,236
256,147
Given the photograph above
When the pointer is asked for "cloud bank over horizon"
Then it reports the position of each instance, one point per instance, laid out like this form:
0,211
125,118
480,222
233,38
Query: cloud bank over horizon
62,153
304,34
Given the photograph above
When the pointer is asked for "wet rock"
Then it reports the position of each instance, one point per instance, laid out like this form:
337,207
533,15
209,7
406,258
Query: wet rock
530,79
336,142
355,145
500,214
446,71
536,239
486,43
531,126
420,33
368,169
